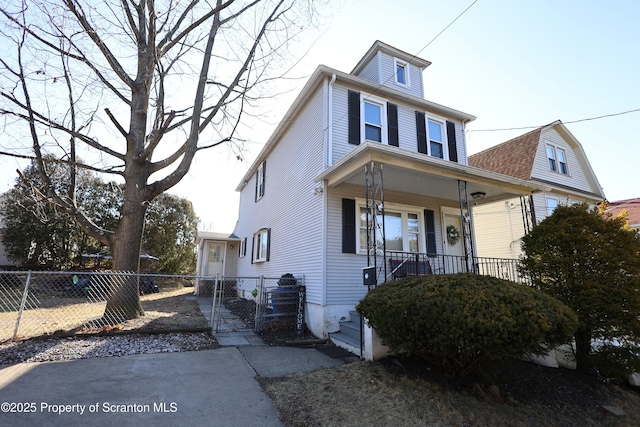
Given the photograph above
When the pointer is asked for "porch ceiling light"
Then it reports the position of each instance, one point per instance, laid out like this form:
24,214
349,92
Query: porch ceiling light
478,195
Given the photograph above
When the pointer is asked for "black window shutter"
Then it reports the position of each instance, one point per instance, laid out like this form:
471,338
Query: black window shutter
451,138
348,226
257,181
264,178
421,129
268,244
392,121
354,117
253,248
244,247
430,231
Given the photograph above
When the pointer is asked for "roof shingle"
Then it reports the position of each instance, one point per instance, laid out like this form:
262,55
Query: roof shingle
514,157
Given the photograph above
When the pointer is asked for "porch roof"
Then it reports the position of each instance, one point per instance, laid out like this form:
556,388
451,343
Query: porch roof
418,173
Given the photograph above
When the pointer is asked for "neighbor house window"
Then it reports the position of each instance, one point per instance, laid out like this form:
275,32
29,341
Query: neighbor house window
261,245
260,179
562,161
552,204
557,160
401,227
372,121
402,72
551,155
435,131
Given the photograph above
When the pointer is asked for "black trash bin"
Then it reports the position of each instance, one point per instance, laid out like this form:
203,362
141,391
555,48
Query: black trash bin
284,298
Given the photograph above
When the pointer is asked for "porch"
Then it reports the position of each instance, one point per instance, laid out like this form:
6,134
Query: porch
404,264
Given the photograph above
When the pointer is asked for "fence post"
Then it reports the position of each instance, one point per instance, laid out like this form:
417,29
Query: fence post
260,306
214,295
22,304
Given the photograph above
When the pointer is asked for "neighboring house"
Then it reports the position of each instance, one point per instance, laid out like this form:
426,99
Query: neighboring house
5,262
363,171
632,206
217,255
549,156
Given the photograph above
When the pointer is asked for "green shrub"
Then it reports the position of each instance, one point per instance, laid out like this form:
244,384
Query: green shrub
462,320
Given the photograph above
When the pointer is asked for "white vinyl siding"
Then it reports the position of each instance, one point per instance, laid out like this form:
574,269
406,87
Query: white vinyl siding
576,178
406,128
290,204
498,228
388,71
344,276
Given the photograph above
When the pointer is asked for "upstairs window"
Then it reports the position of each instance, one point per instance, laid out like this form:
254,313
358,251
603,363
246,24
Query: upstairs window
562,162
372,121
260,179
436,138
557,160
402,72
551,155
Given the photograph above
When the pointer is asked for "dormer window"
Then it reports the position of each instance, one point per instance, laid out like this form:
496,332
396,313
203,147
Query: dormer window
401,72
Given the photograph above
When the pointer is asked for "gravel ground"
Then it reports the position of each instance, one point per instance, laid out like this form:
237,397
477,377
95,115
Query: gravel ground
52,349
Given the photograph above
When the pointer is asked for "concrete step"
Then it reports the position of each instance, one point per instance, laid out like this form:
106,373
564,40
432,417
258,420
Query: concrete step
355,317
347,342
351,329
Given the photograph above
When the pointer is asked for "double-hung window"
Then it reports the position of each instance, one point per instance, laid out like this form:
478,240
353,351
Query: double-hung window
562,161
261,245
373,120
402,227
557,160
552,204
260,179
551,155
436,134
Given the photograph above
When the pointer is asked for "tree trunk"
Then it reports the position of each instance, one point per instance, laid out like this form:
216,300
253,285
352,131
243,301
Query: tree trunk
124,302
583,349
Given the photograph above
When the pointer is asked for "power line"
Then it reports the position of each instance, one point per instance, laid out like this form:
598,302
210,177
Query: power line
566,123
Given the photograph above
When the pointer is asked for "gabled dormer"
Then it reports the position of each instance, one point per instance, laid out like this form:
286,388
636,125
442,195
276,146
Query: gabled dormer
393,68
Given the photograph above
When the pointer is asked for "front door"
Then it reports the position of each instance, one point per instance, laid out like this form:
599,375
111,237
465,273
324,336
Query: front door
453,243
215,258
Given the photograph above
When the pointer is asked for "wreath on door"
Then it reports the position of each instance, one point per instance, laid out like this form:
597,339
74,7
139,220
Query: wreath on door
453,235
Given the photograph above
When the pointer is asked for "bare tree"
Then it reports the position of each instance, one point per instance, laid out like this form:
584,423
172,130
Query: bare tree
139,86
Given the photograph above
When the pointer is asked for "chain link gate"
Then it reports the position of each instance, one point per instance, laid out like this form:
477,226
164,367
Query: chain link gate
259,304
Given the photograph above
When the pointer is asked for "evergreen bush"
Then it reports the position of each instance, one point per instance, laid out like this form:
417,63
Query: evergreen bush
463,320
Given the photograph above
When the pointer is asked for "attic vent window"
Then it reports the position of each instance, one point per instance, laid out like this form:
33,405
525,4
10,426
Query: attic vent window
401,72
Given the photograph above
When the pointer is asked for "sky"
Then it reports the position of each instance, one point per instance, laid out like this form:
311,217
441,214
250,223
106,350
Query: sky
512,64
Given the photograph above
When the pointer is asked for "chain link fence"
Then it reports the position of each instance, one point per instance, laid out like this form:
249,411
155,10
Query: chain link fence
34,303
262,304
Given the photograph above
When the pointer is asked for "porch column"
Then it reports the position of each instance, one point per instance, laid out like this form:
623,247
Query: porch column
376,243
467,226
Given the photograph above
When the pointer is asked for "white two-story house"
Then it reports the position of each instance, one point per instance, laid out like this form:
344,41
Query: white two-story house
364,171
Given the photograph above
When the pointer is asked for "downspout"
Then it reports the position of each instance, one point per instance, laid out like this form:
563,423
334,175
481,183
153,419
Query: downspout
329,139
325,196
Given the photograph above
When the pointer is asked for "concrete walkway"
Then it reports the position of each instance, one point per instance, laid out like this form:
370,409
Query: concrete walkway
231,330
200,388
